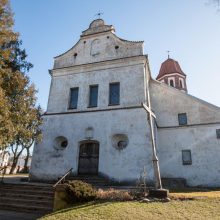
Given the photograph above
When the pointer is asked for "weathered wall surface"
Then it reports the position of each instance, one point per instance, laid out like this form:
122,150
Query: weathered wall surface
129,73
98,46
99,58
125,165
205,151
167,102
199,136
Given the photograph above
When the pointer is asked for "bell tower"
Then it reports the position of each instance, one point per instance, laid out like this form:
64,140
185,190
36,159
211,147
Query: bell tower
172,74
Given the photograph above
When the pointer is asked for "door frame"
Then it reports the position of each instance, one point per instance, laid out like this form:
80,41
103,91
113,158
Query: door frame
87,142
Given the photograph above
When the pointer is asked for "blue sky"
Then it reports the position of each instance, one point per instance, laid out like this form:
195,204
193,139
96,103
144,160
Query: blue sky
190,29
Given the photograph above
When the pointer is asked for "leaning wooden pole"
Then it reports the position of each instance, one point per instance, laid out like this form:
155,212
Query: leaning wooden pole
158,191
158,184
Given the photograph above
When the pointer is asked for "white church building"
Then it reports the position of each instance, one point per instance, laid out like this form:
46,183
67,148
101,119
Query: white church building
95,122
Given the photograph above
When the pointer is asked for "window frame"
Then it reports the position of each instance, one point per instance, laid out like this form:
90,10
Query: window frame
70,95
173,79
181,82
109,98
90,87
181,114
218,133
189,162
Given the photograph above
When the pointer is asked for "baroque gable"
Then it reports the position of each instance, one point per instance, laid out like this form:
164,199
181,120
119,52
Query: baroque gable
98,43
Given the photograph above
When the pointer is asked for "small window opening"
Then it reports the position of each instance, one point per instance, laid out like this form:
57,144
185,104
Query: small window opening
93,96
64,144
73,98
114,93
218,133
186,157
171,83
60,143
107,37
122,144
182,118
84,42
116,47
75,55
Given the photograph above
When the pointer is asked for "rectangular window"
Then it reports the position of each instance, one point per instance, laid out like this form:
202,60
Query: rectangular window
93,96
114,93
73,98
186,157
218,133
182,118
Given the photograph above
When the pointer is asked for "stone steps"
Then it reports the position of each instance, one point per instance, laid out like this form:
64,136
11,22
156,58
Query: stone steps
29,192
28,208
27,198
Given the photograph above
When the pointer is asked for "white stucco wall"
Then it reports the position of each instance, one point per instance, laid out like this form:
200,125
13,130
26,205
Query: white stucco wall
167,102
97,48
128,74
125,165
205,151
199,136
98,62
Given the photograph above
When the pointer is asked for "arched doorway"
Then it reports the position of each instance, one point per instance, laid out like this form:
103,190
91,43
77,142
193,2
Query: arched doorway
88,158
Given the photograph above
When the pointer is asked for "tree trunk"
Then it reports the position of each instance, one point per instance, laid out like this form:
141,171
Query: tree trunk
15,160
14,164
26,169
3,158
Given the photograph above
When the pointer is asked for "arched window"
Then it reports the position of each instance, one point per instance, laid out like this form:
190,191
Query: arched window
171,83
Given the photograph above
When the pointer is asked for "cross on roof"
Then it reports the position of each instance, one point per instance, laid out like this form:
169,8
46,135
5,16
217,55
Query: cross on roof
168,52
99,14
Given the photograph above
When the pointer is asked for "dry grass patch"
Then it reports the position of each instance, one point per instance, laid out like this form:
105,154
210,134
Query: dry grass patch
189,209
195,193
187,203
113,195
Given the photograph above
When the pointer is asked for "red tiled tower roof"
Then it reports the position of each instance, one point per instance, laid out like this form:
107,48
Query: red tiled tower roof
170,66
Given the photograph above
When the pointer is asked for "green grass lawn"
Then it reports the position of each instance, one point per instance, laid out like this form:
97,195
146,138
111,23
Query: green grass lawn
200,208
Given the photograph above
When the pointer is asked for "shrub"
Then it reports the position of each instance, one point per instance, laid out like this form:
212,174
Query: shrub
113,195
79,191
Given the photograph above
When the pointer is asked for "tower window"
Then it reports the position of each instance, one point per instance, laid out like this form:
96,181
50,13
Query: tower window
73,97
171,83
181,83
114,93
182,118
93,96
186,157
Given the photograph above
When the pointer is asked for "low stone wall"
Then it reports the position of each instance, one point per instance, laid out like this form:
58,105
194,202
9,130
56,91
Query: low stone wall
60,198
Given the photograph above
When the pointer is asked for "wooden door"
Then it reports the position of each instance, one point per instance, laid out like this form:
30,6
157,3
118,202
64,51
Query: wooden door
88,159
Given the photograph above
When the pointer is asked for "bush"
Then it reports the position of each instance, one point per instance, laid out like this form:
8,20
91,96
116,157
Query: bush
113,195
79,191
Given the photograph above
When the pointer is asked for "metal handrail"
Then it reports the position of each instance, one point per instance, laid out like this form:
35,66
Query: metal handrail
63,177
